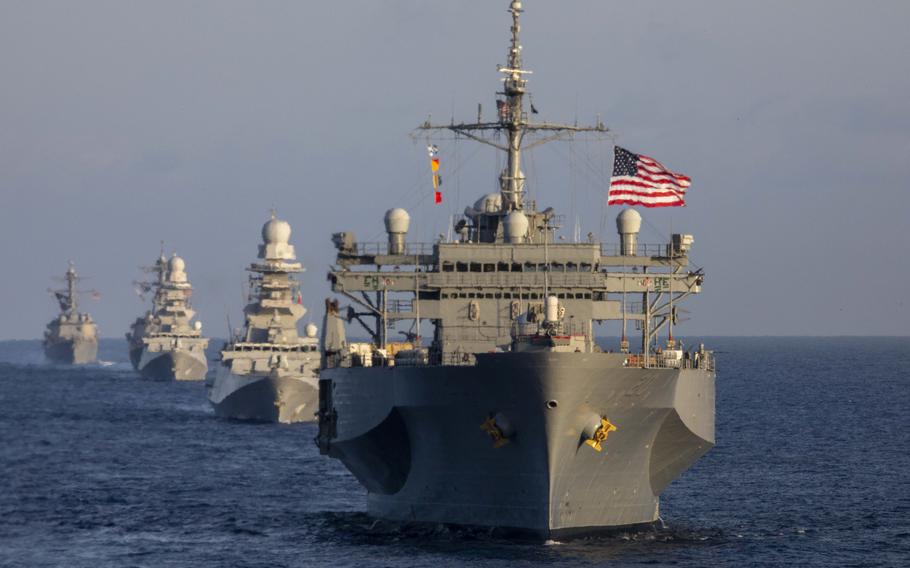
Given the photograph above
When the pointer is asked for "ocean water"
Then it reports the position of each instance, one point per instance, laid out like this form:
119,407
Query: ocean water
100,468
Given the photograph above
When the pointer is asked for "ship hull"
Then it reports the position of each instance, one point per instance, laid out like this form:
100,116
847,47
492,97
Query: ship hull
284,399
412,436
135,356
71,352
172,365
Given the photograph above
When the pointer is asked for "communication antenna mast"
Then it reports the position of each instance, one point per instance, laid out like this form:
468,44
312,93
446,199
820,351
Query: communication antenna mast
512,121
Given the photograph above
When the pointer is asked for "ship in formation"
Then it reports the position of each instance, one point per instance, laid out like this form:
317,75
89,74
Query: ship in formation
71,337
268,371
165,343
512,416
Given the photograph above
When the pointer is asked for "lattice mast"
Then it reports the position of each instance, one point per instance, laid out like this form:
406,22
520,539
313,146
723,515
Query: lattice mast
513,121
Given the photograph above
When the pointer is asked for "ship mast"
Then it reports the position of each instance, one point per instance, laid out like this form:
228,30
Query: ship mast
513,121
71,279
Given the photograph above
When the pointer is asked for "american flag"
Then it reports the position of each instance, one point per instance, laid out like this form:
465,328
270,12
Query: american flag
640,180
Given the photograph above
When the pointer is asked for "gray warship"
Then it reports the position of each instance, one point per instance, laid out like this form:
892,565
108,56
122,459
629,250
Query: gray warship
72,337
165,343
268,372
511,416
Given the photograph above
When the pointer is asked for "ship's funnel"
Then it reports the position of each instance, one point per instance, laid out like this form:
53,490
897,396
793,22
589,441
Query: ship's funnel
515,226
396,225
628,223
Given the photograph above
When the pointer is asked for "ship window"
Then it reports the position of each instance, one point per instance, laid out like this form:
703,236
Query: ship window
489,268
475,267
516,267
503,267
498,295
534,296
530,267
585,267
587,295
489,296
559,267
461,267
448,267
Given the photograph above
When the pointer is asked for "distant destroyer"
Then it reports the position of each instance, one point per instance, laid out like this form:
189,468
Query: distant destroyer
165,344
512,416
269,372
71,338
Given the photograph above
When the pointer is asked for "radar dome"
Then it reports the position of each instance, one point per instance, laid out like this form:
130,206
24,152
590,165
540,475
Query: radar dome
276,232
628,222
489,203
397,220
176,264
310,330
516,226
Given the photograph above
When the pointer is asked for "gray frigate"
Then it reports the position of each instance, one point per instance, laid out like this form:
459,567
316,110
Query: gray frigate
72,337
512,416
269,371
165,343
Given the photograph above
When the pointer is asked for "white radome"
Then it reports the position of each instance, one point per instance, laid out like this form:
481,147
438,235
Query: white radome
628,222
176,264
397,221
311,330
276,232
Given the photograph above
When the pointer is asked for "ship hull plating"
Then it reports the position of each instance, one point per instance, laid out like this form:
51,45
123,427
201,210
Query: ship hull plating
286,399
135,356
412,436
172,365
71,352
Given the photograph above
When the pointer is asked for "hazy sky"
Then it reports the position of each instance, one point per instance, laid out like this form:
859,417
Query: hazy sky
124,123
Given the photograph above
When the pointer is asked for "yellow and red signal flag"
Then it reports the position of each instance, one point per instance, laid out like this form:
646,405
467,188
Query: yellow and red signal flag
433,150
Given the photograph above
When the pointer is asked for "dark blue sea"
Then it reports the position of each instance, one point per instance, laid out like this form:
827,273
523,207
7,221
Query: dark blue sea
99,468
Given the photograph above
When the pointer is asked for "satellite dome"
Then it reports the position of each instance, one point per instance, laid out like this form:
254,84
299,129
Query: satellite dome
628,222
176,264
516,226
276,232
310,330
489,203
397,220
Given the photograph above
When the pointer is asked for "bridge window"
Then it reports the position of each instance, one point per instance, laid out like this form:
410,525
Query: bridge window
475,267
516,267
503,267
448,267
461,267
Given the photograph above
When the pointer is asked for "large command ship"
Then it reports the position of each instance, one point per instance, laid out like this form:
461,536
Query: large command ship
512,416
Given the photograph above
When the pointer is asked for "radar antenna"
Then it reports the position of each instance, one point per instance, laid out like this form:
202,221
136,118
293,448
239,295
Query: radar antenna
512,120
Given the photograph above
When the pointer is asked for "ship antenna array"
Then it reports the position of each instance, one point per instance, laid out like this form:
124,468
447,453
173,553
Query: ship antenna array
512,121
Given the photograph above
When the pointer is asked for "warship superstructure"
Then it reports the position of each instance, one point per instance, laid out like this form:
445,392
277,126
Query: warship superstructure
165,343
269,372
512,416
72,337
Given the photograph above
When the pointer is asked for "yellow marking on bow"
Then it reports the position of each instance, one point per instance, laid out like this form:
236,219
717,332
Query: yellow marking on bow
492,428
600,435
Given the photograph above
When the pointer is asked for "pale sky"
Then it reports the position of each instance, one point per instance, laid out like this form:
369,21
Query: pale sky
125,123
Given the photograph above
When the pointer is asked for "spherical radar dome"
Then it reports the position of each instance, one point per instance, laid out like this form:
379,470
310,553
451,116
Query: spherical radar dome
176,264
310,330
276,232
628,222
397,220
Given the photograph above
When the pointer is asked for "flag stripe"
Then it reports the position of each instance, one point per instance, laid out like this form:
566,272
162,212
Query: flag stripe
642,180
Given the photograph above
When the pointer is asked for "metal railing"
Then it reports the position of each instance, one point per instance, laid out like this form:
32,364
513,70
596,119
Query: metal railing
698,360
382,249
646,250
